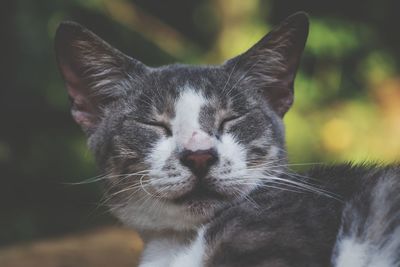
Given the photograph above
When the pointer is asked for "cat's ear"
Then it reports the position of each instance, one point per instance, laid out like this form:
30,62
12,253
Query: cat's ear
95,73
270,65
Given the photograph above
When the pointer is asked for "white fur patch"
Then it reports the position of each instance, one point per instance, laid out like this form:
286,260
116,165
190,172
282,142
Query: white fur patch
231,176
193,255
186,126
355,253
162,151
376,245
160,253
229,149
351,254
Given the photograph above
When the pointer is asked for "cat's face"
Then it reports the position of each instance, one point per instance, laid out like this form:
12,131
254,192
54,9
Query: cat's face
188,142
177,142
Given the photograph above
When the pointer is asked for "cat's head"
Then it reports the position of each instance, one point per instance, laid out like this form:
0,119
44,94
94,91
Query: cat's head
177,142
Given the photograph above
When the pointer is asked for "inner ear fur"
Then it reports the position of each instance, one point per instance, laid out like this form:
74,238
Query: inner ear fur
270,66
94,72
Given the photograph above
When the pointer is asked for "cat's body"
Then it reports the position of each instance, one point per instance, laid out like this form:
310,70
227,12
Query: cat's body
194,159
360,229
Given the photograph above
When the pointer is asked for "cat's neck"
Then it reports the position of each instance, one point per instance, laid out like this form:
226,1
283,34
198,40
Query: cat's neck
182,236
161,246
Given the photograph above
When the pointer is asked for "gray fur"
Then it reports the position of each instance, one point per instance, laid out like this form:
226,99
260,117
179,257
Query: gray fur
303,229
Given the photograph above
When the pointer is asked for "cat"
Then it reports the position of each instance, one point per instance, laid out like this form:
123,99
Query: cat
194,158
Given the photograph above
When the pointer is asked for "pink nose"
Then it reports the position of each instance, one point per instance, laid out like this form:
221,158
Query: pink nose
200,161
199,141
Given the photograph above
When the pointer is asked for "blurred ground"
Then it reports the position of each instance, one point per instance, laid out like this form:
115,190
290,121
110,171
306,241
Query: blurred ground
103,247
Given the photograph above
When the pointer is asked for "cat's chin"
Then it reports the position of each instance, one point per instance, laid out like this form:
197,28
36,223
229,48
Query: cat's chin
203,208
201,201
199,194
198,212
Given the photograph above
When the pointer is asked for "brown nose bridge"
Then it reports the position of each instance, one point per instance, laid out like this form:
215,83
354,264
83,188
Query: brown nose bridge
200,161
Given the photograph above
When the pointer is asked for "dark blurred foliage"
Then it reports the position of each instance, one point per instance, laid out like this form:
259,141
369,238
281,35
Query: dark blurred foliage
347,106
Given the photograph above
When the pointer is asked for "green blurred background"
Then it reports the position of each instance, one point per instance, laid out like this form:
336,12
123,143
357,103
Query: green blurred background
347,92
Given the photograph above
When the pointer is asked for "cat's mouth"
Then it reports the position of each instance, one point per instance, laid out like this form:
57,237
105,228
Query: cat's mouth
199,194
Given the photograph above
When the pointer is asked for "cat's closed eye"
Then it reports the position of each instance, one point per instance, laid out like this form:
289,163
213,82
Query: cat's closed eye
228,120
157,124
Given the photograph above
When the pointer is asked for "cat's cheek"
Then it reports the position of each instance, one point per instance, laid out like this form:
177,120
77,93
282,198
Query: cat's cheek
232,166
232,155
160,153
167,178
